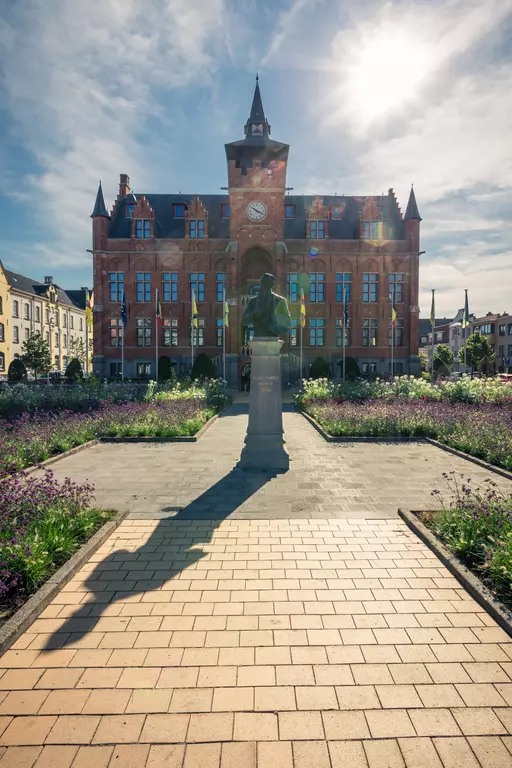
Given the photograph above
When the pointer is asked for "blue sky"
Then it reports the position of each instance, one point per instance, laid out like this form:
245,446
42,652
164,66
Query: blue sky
369,95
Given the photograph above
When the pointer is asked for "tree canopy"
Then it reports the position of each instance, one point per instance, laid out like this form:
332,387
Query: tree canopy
36,355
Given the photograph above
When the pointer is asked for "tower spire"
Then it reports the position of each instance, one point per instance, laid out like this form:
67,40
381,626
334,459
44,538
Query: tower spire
257,125
412,211
100,209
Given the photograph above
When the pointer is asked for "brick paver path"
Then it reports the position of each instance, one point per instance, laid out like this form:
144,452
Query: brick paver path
259,643
325,480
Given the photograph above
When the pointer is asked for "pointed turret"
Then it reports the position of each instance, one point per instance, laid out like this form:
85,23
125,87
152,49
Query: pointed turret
100,209
257,124
412,211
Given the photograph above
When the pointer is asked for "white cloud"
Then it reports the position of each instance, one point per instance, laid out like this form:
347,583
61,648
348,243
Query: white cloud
79,80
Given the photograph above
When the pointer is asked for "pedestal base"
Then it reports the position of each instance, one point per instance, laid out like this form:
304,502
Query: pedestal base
264,443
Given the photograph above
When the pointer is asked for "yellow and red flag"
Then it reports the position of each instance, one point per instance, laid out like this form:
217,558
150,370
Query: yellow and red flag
195,322
302,310
159,316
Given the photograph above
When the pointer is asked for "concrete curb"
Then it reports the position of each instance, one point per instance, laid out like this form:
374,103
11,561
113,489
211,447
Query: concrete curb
429,440
464,576
24,616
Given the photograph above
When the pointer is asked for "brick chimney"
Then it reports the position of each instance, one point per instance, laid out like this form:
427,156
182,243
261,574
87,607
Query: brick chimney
124,185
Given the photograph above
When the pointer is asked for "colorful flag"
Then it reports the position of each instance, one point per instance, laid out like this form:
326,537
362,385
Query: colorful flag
159,316
195,322
465,315
433,312
345,309
302,310
226,315
88,309
393,317
124,312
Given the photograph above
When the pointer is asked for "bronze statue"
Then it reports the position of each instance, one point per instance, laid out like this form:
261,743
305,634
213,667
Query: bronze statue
268,313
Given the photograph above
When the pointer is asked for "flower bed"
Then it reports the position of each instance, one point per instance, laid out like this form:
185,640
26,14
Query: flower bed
464,390
483,431
476,526
32,439
42,523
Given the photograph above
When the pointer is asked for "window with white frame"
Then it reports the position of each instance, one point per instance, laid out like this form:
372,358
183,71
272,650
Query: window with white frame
292,286
143,285
143,331
142,229
339,333
115,288
370,332
317,230
171,332
116,331
16,334
343,286
317,287
221,285
396,287
169,286
197,334
196,229
197,285
370,287
316,332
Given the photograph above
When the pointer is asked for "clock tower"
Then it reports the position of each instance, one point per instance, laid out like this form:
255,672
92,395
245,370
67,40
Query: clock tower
257,181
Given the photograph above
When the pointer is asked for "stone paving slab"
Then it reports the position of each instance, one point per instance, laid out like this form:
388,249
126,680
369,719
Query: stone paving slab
248,643
326,480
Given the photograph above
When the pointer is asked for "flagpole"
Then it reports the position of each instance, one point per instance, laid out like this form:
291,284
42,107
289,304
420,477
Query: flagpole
466,320
122,352
392,333
192,327
86,346
157,329
432,325
224,334
344,332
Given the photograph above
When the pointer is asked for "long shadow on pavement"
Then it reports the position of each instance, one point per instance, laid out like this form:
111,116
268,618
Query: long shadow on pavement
163,556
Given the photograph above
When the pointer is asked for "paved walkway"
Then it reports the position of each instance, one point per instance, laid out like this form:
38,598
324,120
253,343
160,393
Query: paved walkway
260,643
326,480
339,642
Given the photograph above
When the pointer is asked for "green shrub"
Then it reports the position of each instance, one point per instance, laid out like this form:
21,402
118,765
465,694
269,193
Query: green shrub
166,370
319,369
74,371
17,373
351,368
203,367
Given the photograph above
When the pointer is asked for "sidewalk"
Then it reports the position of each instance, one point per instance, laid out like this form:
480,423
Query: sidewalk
195,638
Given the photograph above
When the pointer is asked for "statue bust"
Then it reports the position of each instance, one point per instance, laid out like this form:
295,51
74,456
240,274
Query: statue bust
268,313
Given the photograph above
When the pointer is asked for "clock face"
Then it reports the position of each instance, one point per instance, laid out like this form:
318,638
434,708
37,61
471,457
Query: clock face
256,211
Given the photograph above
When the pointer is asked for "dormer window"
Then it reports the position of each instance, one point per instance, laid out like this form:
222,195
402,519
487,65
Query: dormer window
142,229
129,211
371,230
196,229
225,210
336,212
289,211
317,230
179,210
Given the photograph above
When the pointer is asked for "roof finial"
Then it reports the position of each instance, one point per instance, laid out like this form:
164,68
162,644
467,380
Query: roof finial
257,77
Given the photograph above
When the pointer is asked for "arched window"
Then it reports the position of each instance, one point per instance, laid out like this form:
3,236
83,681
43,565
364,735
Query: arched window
2,332
1,306
2,361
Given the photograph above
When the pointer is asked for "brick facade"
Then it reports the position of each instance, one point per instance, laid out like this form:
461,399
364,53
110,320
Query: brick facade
157,234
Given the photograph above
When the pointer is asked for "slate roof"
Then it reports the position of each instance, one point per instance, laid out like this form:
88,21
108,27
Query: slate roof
412,211
100,209
169,227
78,297
34,287
425,328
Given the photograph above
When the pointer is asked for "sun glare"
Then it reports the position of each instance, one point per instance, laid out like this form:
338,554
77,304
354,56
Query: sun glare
386,69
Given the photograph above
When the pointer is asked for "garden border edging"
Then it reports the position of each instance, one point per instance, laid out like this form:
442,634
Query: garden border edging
429,440
21,620
98,440
464,576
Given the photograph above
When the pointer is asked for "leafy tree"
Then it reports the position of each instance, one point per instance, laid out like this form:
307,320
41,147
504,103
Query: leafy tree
17,372
443,359
480,355
166,370
74,371
76,350
36,355
203,367
351,368
423,361
319,369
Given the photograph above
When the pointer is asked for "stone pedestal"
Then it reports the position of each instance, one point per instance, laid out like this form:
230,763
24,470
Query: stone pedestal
264,443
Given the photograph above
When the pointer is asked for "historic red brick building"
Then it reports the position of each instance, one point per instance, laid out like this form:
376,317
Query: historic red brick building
329,246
